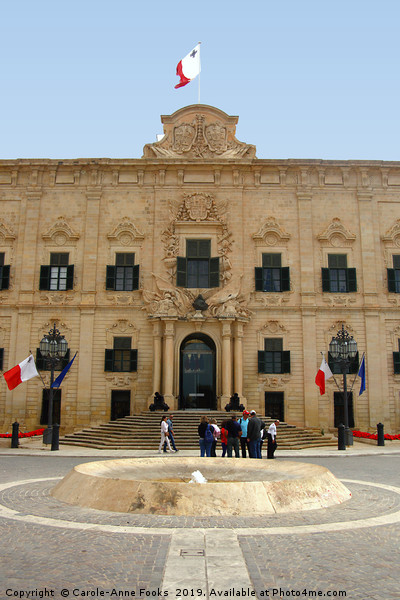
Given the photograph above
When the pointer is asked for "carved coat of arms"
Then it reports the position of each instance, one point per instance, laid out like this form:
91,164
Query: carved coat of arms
184,136
198,206
216,137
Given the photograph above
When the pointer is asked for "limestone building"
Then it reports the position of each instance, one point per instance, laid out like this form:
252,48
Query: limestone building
198,271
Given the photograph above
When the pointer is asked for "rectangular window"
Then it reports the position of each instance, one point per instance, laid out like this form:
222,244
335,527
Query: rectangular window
197,269
272,277
396,361
59,275
121,358
394,275
273,359
338,278
124,275
4,273
1,358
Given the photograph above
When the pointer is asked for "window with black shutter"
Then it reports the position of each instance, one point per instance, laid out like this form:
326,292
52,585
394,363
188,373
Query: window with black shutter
273,359
1,358
59,274
4,273
197,269
272,277
394,275
121,358
124,275
396,361
338,278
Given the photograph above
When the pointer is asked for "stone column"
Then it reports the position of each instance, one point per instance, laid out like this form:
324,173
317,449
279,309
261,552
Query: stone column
238,360
226,361
308,312
157,356
168,363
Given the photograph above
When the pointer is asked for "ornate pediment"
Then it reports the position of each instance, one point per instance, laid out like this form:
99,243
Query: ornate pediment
336,235
392,237
61,233
271,234
199,132
126,233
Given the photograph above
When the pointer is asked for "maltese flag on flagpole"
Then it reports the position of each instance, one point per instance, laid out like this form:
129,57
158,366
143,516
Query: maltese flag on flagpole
22,372
189,67
323,374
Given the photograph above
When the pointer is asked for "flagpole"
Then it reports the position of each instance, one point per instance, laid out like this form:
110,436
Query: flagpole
198,99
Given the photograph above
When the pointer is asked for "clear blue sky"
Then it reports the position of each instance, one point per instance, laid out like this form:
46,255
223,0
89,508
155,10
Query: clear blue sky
308,79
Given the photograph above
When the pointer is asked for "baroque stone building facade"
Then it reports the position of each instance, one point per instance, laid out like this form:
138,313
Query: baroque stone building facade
198,271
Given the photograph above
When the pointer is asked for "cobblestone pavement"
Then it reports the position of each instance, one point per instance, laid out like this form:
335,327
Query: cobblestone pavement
88,560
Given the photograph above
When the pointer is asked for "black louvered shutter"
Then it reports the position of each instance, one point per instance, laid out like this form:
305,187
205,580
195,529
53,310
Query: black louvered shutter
40,361
44,282
285,279
181,271
396,362
352,280
135,281
109,360
110,277
259,279
5,277
1,358
286,361
391,275
214,272
133,366
354,365
70,277
326,283
261,361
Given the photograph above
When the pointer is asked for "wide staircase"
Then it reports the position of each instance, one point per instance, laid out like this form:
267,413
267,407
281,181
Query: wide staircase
142,432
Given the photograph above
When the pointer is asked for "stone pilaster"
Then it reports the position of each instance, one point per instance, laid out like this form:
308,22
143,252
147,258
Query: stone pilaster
168,363
157,356
226,358
85,362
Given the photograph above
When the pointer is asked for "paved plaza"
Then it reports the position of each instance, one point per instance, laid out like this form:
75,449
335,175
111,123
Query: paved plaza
50,549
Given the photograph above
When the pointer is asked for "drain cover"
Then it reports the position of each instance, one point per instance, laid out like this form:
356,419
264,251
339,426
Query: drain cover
193,553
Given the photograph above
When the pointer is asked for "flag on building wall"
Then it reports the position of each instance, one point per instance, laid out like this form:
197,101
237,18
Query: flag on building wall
189,67
361,373
323,374
57,382
22,372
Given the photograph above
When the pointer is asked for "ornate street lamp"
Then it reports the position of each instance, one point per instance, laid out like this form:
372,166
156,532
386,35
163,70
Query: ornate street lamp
343,350
53,347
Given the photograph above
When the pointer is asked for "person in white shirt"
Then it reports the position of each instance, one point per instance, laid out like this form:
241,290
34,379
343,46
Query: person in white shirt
271,435
164,435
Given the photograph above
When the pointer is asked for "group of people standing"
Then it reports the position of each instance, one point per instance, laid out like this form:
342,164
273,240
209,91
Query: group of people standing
248,433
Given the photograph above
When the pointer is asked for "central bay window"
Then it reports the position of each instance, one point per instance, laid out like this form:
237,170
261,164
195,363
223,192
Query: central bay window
124,275
338,277
121,358
4,273
197,269
394,275
272,277
273,359
59,275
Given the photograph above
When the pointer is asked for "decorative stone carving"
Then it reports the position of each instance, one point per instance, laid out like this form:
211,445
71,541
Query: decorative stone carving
61,233
197,208
57,299
7,236
272,327
126,233
339,300
120,381
167,301
198,132
272,381
336,235
271,234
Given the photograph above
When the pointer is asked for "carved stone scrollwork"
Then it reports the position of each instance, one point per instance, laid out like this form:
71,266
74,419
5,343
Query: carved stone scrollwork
61,233
271,234
58,299
336,235
199,132
7,236
272,381
126,233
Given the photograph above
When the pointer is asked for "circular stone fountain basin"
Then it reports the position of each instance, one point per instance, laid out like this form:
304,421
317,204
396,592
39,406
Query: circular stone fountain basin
162,486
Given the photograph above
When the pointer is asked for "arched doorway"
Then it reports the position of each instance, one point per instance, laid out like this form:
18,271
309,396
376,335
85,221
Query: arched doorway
197,388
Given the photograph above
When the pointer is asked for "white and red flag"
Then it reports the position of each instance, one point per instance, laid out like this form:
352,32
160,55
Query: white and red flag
22,372
323,374
189,67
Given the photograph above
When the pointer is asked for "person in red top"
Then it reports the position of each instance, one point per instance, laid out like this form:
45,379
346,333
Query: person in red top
224,438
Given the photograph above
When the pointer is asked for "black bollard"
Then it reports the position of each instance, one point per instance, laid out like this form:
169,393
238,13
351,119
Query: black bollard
55,437
381,435
340,438
14,438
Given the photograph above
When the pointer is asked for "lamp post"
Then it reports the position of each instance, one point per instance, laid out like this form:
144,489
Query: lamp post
343,349
53,348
